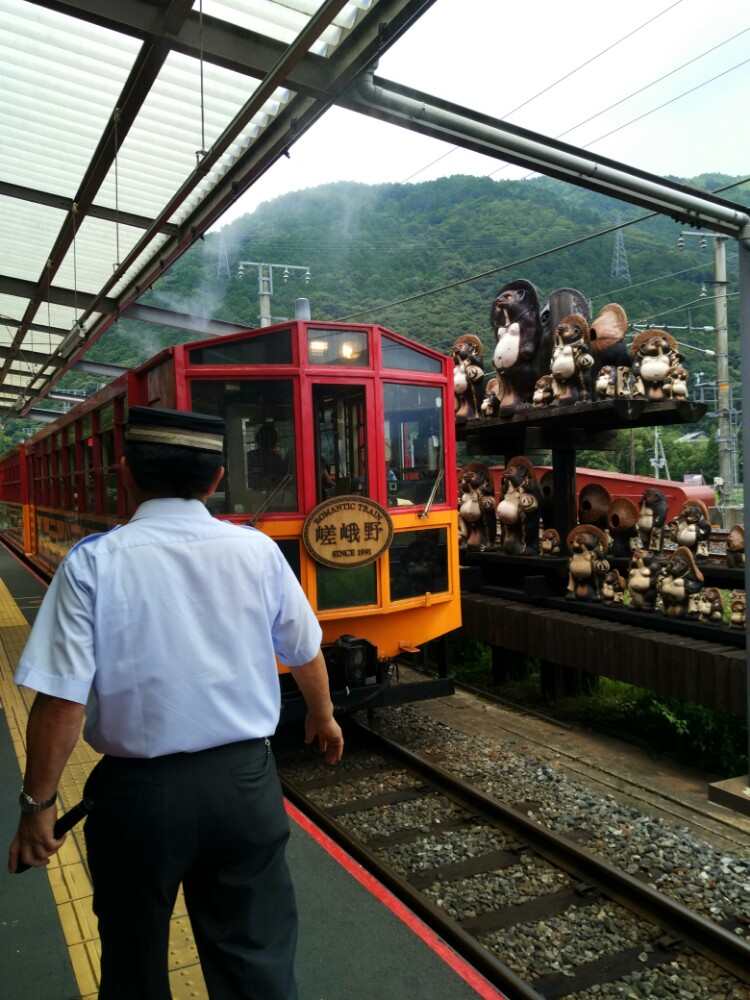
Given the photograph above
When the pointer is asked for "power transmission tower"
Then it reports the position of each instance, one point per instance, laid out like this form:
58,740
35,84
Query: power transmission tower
223,262
620,267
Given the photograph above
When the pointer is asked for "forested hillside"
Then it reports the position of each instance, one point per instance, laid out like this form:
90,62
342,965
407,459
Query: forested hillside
426,259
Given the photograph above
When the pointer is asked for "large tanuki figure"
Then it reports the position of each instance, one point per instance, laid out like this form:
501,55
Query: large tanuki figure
514,317
518,509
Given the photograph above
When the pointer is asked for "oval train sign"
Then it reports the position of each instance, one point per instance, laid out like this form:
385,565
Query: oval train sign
347,531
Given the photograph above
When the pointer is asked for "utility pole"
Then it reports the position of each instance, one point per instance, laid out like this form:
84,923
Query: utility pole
723,403
265,283
722,369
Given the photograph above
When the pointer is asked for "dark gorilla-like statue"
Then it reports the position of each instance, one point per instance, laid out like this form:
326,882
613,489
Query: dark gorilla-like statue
514,317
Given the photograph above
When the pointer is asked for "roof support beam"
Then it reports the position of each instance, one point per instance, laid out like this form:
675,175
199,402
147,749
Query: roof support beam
200,325
96,211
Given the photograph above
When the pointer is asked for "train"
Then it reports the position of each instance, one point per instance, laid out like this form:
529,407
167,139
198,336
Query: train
617,484
337,444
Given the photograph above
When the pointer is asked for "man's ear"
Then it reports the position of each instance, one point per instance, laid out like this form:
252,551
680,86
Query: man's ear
127,475
217,479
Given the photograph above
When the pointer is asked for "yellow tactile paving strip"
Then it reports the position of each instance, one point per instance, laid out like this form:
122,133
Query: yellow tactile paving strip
67,871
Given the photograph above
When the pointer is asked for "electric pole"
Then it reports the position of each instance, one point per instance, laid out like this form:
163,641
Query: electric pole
723,402
265,283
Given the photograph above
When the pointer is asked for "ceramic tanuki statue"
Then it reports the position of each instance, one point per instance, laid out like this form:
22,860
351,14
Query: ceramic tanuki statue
518,509
642,572
736,547
679,582
549,543
655,354
593,505
491,402
588,565
468,376
607,342
544,391
572,364
613,588
710,606
737,612
692,528
514,317
622,525
676,382
477,526
651,518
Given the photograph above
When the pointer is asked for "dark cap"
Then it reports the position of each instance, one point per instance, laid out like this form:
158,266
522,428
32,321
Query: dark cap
151,425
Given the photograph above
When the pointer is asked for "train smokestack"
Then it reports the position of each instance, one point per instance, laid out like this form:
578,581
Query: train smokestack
302,309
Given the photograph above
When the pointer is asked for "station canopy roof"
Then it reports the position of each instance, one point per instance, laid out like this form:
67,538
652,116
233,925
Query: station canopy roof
127,128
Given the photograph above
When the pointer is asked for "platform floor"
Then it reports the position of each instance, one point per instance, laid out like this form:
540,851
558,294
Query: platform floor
356,940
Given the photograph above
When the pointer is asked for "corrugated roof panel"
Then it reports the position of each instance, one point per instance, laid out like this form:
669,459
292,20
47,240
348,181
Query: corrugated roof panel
90,261
26,234
56,85
284,21
160,151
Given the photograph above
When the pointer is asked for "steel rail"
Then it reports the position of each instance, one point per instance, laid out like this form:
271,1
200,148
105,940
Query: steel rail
464,943
726,950
720,946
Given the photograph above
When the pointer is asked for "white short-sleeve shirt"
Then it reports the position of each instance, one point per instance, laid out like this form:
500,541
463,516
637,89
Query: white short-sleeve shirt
169,628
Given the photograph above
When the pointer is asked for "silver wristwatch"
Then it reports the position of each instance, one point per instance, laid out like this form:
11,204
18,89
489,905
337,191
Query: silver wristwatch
30,805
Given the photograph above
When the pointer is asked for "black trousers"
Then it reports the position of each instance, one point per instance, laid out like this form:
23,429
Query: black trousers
215,822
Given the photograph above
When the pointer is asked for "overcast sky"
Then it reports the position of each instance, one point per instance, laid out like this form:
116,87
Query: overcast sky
678,72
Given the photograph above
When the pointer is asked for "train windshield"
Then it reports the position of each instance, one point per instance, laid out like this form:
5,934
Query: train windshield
414,452
260,462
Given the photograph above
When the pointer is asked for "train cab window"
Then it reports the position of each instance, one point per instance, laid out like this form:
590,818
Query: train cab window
405,358
341,443
346,588
342,348
414,453
260,460
262,349
418,563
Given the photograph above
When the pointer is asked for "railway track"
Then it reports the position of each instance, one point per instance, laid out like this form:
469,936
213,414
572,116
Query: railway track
430,837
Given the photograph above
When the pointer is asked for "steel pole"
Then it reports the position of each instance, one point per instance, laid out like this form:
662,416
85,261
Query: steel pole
722,371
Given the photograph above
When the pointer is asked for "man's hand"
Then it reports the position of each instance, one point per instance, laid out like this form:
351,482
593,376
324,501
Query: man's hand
34,842
330,738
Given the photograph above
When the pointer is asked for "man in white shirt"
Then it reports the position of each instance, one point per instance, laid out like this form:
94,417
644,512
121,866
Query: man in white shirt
169,628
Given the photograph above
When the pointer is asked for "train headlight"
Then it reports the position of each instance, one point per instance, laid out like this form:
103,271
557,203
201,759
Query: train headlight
350,661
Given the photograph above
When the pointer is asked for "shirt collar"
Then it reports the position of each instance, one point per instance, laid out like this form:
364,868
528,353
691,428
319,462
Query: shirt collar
171,507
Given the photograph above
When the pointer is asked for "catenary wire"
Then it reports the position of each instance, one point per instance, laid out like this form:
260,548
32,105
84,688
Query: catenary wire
551,86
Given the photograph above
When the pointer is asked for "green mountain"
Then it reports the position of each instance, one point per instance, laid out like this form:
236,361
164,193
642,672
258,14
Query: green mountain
426,260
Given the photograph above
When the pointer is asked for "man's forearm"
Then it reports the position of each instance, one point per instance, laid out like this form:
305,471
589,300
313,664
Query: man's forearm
312,680
52,732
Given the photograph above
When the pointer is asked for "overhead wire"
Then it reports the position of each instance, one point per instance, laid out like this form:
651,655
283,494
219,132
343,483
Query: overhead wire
566,76
516,263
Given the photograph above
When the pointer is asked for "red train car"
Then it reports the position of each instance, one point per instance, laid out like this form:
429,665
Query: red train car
338,439
619,485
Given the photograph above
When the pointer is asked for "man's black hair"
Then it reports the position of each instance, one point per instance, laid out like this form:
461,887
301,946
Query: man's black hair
172,471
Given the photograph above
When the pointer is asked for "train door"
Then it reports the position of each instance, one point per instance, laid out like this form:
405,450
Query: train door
342,420
341,440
